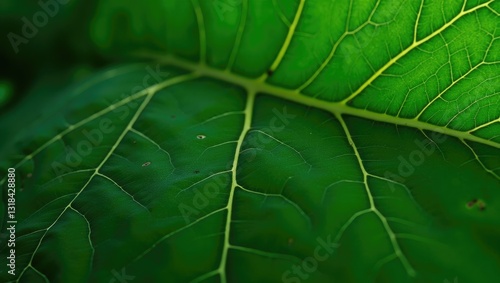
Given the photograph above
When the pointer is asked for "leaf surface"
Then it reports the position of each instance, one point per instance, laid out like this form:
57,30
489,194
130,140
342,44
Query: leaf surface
271,141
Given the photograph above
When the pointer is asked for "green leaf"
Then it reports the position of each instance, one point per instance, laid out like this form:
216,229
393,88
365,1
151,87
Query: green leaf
270,141
5,92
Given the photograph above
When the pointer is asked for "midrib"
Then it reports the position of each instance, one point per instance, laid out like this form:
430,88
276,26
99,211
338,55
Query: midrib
253,85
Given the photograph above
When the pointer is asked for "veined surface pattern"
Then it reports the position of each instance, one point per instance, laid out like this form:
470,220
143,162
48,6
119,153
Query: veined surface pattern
249,149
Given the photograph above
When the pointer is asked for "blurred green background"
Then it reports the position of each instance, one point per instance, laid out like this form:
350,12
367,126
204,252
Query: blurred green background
59,52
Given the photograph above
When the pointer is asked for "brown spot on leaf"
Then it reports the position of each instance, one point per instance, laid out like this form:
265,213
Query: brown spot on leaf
479,203
146,164
482,206
201,137
196,171
471,203
29,175
270,72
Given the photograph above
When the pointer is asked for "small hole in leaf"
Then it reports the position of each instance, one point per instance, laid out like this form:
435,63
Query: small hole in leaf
201,137
146,164
197,171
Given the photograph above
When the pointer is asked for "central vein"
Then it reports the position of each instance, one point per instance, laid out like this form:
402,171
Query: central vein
246,127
